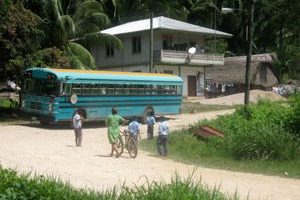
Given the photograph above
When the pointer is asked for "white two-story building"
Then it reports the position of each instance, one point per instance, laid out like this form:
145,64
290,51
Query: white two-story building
171,41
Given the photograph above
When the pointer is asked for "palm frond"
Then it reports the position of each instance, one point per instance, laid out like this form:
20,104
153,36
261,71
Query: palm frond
76,63
92,39
83,55
84,27
88,8
98,19
52,10
68,25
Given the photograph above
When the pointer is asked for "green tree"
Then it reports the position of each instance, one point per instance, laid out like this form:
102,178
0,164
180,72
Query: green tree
19,38
74,26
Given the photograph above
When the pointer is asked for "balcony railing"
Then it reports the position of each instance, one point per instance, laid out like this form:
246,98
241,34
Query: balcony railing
182,57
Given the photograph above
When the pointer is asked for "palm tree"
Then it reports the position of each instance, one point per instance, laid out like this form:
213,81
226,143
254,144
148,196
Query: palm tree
128,10
74,25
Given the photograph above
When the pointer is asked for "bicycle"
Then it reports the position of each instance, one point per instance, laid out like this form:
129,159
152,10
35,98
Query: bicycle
128,142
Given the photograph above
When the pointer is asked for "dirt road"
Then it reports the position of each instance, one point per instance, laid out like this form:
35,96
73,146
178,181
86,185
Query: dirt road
51,151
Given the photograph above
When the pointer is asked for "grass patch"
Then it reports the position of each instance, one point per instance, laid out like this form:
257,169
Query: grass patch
266,140
190,150
190,107
24,186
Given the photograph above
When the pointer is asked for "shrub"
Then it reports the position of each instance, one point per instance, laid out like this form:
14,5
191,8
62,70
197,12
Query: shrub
264,136
293,121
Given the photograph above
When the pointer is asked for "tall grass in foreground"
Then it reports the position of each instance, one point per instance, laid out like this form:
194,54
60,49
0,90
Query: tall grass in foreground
26,187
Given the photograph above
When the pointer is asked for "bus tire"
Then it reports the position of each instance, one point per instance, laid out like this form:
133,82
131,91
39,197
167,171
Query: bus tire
147,112
44,123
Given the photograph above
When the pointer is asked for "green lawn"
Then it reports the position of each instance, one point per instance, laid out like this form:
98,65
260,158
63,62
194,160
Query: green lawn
190,150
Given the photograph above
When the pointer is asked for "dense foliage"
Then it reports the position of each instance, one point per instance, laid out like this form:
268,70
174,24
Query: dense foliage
269,134
26,187
19,39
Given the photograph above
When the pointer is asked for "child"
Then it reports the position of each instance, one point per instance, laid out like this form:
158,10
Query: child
134,128
77,124
162,139
150,122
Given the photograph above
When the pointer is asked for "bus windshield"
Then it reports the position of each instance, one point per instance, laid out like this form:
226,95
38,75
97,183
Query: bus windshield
41,87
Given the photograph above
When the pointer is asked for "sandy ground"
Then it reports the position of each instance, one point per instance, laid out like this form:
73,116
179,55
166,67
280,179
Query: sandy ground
51,151
236,99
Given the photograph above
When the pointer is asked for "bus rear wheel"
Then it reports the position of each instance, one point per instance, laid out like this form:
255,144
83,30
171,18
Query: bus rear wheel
148,112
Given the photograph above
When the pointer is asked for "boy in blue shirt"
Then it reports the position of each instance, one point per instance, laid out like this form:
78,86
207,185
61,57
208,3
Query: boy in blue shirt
150,122
134,128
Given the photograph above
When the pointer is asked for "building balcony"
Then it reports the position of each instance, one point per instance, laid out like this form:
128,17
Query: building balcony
182,57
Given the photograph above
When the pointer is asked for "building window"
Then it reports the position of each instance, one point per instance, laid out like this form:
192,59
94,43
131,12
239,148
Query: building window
168,72
109,50
136,45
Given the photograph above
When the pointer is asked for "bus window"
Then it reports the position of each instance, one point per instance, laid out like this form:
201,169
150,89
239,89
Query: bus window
160,89
127,89
133,89
110,89
94,89
85,89
140,89
179,89
119,89
173,89
29,86
102,89
76,89
167,89
67,88
154,89
148,89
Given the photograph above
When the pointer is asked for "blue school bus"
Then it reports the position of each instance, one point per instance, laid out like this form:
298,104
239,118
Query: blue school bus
54,95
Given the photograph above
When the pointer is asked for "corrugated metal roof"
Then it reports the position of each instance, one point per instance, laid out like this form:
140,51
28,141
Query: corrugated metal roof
162,23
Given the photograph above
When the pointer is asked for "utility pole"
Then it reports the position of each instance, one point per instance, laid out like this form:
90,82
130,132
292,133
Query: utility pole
151,44
249,53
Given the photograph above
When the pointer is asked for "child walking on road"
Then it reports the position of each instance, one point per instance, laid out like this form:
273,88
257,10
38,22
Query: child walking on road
134,128
162,139
150,125
77,124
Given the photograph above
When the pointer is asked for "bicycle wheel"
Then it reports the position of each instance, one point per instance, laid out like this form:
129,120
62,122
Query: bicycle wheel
120,144
132,147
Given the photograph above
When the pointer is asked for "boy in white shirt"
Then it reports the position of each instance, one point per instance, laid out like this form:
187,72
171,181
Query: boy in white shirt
162,139
77,124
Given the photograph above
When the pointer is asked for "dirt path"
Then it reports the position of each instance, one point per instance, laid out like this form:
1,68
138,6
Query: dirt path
52,151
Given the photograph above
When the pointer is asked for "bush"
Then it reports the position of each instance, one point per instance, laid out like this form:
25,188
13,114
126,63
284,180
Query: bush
293,121
264,136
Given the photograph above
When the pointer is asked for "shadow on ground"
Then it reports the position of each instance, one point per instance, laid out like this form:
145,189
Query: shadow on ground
62,125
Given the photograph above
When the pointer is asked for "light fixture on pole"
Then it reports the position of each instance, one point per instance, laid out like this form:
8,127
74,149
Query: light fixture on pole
249,49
